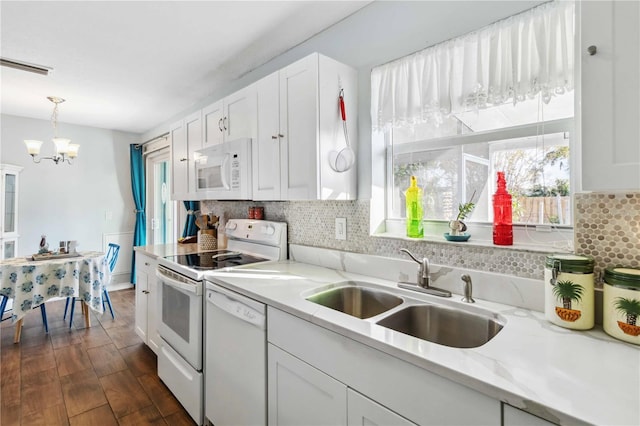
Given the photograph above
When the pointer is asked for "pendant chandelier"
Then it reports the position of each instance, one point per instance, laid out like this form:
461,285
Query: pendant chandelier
65,150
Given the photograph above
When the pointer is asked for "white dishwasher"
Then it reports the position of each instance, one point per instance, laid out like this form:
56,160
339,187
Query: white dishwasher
235,358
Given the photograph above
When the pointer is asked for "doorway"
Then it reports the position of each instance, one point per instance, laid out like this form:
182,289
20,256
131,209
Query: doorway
161,210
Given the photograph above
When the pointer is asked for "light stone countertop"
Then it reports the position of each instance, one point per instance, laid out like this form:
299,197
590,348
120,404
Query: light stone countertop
162,250
565,376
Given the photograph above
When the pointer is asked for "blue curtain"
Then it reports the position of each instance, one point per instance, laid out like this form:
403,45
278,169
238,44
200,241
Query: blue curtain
190,228
138,188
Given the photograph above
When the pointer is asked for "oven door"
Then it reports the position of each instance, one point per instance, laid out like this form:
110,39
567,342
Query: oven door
180,319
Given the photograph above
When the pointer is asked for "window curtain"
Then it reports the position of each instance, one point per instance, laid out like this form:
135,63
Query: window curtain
138,189
511,60
190,224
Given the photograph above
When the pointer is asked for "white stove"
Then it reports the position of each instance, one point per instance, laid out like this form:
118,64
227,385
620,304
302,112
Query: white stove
180,295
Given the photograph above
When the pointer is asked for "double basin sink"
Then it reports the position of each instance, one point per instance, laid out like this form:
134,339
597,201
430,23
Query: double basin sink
444,325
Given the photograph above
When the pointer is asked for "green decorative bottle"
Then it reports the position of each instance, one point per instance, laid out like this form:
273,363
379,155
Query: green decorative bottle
413,197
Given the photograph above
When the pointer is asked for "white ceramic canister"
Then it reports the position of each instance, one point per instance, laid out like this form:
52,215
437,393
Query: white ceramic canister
621,304
569,291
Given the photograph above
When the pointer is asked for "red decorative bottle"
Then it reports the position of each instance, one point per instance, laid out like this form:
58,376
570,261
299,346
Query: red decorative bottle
502,214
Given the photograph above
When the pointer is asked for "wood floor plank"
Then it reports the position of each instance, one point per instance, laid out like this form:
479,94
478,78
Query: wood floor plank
94,336
100,416
62,337
82,392
180,418
106,359
40,391
161,396
10,415
55,415
140,359
124,393
123,337
147,416
71,359
34,364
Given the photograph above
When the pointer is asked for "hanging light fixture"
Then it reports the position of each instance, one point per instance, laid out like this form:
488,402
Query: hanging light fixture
65,150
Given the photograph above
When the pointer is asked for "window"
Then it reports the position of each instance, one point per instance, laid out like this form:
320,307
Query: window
498,99
457,161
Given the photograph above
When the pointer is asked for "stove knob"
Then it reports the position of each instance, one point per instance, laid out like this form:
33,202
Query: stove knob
268,230
231,226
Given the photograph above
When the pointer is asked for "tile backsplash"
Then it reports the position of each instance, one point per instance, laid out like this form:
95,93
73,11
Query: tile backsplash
607,227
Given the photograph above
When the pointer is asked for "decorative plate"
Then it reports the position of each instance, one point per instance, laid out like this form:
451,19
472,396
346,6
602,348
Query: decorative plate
463,237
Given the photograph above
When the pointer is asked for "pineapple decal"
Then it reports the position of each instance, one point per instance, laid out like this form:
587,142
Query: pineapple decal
630,308
567,292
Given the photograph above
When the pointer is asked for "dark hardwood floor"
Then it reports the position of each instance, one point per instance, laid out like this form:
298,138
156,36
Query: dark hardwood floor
102,375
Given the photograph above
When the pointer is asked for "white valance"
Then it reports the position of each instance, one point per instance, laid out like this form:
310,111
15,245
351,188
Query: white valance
510,60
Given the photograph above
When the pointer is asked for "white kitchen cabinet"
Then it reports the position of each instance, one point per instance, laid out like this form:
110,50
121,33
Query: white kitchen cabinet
9,210
512,416
610,91
186,139
362,411
408,391
231,118
146,301
299,125
302,395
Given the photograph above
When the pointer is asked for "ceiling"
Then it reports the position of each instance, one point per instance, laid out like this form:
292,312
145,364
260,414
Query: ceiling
130,66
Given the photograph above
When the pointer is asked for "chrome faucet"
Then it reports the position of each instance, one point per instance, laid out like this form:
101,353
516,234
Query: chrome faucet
423,282
468,289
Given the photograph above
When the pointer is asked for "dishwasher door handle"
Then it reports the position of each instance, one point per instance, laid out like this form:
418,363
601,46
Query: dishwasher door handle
237,309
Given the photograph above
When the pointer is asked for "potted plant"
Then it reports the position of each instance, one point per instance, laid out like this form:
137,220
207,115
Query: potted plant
630,308
457,225
566,292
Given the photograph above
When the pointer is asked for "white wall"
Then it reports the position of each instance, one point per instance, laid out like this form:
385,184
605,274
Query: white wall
378,33
69,202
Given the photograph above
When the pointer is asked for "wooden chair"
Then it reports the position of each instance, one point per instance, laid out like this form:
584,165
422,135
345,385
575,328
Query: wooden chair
43,312
110,259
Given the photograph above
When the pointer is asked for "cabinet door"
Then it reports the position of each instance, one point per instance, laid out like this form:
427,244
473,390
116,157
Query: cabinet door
142,296
179,161
153,338
610,95
302,395
193,135
361,411
10,204
240,111
266,147
512,416
212,131
299,127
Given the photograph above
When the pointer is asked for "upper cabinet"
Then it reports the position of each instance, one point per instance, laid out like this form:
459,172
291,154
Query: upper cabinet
9,210
610,59
300,131
186,138
231,118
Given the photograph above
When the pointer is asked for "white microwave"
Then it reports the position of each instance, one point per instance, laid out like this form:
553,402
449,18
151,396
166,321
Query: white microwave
223,172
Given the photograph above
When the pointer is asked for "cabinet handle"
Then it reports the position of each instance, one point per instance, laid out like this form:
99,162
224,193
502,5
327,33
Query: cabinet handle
274,137
184,159
220,124
592,50
145,291
224,123
280,135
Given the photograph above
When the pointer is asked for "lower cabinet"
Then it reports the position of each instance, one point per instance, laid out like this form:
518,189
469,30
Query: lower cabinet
146,303
314,373
300,394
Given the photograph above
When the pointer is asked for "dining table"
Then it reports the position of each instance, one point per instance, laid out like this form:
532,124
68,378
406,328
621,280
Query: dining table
30,283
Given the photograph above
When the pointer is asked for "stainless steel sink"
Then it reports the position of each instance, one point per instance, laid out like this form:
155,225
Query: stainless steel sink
442,325
357,301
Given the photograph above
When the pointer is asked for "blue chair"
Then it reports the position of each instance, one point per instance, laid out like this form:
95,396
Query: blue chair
110,260
43,312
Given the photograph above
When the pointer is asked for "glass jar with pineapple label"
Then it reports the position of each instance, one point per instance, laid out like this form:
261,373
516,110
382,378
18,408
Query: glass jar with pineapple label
621,304
569,291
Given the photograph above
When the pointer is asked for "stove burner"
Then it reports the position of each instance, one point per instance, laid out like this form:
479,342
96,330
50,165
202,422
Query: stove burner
217,259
